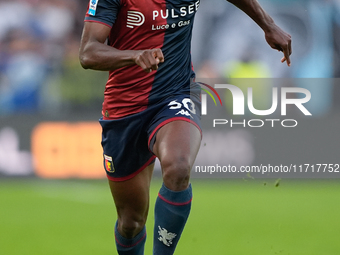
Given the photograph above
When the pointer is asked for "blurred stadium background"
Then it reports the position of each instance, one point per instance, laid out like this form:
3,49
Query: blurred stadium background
53,195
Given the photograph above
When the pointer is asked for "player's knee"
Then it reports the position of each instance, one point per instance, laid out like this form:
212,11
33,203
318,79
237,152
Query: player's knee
176,173
130,227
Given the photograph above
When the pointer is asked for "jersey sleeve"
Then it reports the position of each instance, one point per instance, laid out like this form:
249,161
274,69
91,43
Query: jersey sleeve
103,11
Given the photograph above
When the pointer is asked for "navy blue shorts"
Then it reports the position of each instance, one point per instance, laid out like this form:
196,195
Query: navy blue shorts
128,142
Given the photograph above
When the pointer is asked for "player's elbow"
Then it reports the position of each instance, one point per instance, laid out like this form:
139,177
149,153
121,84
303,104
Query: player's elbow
86,56
85,60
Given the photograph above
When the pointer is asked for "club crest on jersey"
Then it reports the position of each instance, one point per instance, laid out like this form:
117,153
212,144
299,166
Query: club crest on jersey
93,7
135,19
109,164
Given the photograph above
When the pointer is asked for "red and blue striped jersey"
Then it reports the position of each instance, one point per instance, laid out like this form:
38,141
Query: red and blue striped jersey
140,25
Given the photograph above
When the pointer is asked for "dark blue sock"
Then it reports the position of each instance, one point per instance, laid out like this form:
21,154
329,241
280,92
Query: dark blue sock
134,246
171,213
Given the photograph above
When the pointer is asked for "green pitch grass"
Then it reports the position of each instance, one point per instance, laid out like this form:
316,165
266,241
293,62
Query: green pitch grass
235,217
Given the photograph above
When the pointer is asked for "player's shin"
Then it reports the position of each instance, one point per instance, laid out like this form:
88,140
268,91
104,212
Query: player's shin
171,213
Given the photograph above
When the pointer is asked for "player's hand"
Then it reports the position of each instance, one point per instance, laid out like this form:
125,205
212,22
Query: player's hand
149,59
281,41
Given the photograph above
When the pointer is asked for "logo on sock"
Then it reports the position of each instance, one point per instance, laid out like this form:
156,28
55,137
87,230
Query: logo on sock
165,236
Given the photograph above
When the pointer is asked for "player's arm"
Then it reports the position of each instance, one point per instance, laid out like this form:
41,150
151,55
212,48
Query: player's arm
275,36
95,54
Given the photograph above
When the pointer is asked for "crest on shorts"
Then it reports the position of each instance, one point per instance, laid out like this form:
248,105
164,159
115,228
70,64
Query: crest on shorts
109,164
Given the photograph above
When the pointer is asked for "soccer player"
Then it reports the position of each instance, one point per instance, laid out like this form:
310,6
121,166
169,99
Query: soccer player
152,107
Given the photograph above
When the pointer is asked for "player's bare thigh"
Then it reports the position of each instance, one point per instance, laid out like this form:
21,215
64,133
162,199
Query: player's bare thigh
177,144
131,198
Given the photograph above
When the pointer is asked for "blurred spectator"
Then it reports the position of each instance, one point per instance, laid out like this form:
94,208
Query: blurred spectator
33,36
15,14
24,71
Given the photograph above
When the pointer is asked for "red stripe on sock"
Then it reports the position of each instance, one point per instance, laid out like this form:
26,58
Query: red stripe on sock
127,246
173,203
